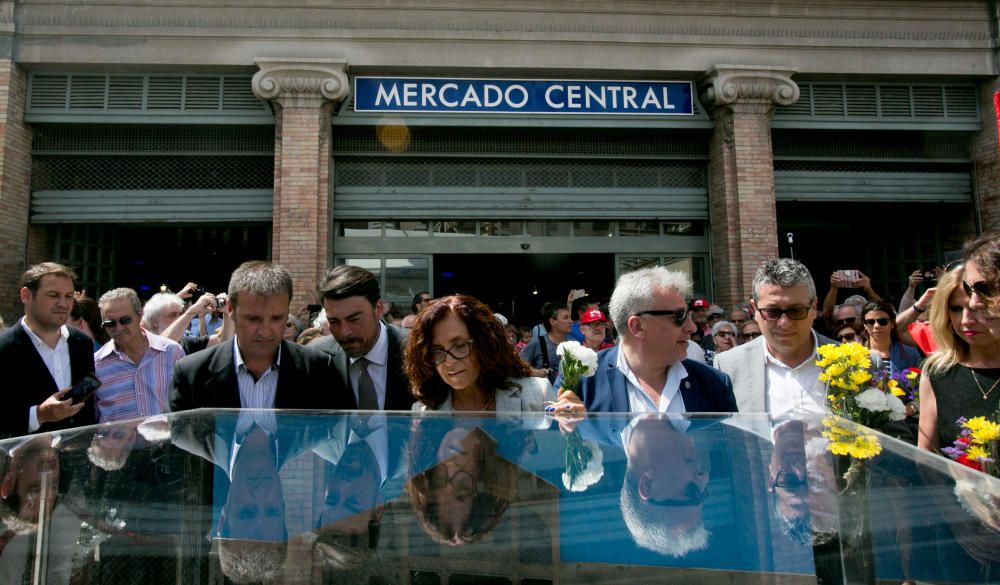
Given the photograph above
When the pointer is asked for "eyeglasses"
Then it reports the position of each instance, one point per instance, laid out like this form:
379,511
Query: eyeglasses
788,480
459,351
110,323
954,265
980,288
794,313
848,337
847,321
680,315
882,321
725,334
751,335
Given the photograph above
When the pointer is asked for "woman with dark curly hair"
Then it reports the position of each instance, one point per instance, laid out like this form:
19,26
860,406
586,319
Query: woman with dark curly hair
458,358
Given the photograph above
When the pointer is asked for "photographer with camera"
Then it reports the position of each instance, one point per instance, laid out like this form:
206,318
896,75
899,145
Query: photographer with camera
165,315
845,279
207,321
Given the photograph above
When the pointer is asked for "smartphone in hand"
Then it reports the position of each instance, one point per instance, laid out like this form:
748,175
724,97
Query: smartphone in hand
84,389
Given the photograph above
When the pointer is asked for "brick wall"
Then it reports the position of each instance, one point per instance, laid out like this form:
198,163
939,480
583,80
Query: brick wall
986,160
301,197
741,198
15,174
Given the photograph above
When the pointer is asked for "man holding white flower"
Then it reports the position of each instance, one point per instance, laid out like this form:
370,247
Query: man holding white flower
648,371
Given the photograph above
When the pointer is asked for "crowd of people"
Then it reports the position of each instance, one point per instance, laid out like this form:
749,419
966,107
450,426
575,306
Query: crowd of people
79,361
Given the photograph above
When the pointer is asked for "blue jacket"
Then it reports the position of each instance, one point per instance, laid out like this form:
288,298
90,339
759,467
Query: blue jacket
704,390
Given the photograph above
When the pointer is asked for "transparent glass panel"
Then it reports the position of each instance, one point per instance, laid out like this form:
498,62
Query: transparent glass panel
373,265
317,496
549,228
360,229
407,229
501,228
638,228
405,277
593,229
683,228
630,263
451,228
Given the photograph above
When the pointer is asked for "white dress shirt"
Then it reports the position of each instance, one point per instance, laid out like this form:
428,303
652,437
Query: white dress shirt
258,393
378,369
671,399
56,361
794,389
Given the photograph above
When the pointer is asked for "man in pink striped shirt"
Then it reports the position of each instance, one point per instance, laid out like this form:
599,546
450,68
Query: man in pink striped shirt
136,366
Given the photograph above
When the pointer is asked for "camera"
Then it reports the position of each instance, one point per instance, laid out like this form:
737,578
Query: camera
930,276
84,389
220,301
197,294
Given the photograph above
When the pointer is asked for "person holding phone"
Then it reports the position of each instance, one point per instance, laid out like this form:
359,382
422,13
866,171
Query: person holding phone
845,279
42,358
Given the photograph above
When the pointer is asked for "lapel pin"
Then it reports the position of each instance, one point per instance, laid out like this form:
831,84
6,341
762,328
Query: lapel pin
687,385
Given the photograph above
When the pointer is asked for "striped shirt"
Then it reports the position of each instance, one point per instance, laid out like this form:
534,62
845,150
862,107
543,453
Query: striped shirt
256,393
129,390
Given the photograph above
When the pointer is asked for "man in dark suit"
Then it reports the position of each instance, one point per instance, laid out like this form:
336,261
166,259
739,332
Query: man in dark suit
41,358
367,353
648,371
258,369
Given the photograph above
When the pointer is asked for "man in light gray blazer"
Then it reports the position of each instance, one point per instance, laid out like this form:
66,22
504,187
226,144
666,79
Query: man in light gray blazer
776,373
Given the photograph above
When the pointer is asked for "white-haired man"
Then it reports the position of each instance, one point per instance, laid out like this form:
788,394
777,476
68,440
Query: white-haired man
164,315
648,371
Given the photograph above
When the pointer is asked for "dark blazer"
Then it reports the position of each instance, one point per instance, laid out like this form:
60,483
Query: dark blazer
27,382
306,379
704,390
397,387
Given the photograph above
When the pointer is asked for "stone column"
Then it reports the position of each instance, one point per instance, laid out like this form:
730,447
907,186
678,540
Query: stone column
15,183
303,93
741,100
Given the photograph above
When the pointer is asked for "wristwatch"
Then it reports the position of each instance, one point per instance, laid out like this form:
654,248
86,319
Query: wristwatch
918,308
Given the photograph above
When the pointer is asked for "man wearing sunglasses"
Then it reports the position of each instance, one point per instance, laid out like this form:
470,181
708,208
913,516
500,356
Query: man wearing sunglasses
135,366
648,371
776,372
41,357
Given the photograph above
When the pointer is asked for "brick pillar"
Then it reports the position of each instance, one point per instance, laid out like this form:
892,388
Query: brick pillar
986,160
15,181
303,92
741,101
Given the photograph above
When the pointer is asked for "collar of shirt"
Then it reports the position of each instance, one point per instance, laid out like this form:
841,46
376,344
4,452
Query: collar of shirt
111,349
238,357
769,357
63,335
379,353
671,388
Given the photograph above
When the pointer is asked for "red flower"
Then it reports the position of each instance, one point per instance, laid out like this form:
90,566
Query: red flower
964,460
964,440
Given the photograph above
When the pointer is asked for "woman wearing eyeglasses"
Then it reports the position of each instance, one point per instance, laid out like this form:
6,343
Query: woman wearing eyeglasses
849,333
888,353
458,358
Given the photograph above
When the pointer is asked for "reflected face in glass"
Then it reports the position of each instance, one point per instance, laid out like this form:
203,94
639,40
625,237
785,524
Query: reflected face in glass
259,322
461,374
35,463
788,471
785,335
51,304
255,504
352,494
454,481
354,323
669,470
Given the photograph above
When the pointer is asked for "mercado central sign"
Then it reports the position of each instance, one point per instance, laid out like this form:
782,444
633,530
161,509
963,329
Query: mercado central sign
522,96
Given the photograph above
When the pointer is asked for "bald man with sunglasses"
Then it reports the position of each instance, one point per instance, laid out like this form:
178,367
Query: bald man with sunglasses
777,373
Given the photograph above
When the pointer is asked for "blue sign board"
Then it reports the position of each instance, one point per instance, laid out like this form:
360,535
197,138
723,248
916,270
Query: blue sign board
522,96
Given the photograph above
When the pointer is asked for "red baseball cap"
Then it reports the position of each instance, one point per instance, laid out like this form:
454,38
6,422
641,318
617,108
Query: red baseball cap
591,316
700,304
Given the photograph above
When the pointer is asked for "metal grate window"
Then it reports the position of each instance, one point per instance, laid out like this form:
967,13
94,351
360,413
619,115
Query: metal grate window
871,144
357,140
255,140
889,102
69,173
517,173
870,166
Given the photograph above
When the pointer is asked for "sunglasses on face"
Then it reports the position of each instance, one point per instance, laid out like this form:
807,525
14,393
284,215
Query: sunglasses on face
725,334
751,334
847,321
679,315
110,323
788,480
982,289
459,351
794,313
847,337
882,321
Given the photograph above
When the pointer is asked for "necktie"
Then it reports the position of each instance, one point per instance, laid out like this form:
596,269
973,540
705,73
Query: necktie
367,399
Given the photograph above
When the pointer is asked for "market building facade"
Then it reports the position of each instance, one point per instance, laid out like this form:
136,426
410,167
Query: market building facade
507,150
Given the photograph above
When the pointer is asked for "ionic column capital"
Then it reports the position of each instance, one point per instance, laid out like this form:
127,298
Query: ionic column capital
301,82
727,85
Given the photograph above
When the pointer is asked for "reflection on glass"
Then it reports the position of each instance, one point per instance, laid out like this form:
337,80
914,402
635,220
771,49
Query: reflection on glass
638,228
683,228
593,229
631,263
373,265
407,229
549,228
111,445
28,491
452,228
404,277
500,228
360,229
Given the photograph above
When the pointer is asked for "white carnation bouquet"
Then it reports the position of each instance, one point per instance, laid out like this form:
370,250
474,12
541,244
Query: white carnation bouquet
584,459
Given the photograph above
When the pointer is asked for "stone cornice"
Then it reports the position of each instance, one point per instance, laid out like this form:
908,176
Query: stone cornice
725,85
301,82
